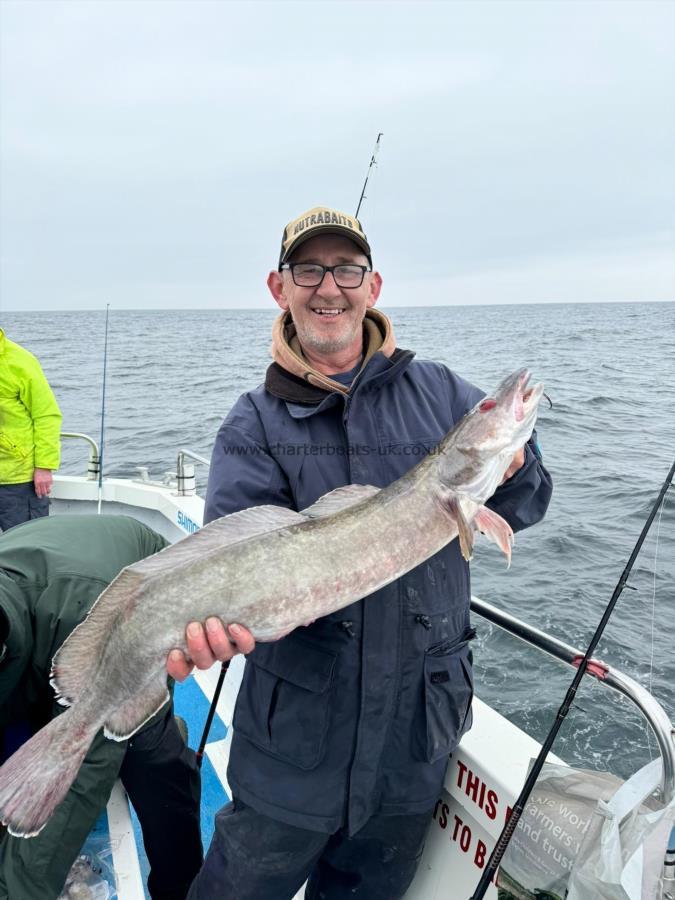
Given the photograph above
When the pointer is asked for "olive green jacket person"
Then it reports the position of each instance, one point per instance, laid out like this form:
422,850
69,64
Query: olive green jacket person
30,419
51,572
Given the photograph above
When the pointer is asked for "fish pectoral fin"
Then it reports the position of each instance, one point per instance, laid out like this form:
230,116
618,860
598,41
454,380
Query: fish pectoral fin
496,529
135,712
339,499
465,537
464,527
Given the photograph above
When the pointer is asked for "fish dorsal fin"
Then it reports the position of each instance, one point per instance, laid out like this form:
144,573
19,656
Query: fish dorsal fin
339,499
232,529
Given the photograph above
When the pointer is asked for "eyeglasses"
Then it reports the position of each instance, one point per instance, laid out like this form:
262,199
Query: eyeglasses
312,274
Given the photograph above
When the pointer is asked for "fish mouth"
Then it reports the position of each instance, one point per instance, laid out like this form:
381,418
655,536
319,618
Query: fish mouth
530,397
522,397
521,394
514,394
527,397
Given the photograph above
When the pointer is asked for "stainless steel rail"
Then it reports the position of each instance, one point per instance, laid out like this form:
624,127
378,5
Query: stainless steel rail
650,708
185,472
94,466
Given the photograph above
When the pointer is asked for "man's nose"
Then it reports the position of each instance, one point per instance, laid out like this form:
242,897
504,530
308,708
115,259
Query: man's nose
328,287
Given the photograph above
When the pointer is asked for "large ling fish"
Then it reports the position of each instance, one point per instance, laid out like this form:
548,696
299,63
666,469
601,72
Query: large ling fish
270,569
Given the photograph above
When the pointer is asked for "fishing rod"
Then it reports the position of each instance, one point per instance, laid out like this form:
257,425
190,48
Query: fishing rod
212,711
519,806
373,162
224,667
100,453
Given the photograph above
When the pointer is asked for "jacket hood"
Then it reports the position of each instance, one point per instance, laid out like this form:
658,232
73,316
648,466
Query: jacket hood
286,351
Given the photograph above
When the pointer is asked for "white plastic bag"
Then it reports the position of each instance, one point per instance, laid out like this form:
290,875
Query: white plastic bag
622,854
586,834
91,876
83,883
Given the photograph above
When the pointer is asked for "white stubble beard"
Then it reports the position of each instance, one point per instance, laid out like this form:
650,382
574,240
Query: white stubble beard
320,344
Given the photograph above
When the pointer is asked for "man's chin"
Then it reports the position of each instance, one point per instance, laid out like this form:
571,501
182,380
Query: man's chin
317,343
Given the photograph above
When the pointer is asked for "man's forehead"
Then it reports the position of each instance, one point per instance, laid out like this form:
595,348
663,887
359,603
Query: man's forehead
333,245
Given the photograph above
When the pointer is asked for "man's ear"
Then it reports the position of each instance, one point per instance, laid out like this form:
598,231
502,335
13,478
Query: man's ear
375,288
275,283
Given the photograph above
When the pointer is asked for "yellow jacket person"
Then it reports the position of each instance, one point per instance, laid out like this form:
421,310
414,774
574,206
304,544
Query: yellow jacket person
30,424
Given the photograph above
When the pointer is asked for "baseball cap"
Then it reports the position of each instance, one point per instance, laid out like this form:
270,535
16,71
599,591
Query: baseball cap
322,220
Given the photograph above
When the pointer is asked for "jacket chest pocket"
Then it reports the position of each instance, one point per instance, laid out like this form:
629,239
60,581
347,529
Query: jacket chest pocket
283,705
447,696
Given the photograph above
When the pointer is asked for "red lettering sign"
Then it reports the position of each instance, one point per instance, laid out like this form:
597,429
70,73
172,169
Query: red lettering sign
477,790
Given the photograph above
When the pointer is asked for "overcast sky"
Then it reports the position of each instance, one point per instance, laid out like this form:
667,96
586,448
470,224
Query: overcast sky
152,151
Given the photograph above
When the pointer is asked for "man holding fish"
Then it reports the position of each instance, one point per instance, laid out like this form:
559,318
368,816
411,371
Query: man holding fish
343,727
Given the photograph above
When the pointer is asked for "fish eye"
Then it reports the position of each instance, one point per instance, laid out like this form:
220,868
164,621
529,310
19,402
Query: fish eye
487,404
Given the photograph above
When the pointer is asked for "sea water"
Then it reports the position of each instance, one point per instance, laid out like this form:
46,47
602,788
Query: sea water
608,442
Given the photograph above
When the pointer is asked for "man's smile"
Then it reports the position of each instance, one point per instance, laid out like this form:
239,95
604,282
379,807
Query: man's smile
327,311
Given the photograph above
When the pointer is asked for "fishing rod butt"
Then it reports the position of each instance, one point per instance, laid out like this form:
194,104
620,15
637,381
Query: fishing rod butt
199,753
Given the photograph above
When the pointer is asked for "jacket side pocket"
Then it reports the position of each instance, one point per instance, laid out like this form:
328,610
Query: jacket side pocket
11,448
283,705
448,692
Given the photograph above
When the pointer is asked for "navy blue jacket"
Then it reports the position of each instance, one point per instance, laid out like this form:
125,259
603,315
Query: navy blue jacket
356,713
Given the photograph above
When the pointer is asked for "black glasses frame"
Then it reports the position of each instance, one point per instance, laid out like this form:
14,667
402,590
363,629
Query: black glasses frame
364,269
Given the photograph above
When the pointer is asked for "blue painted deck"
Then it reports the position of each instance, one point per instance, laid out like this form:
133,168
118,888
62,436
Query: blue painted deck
192,706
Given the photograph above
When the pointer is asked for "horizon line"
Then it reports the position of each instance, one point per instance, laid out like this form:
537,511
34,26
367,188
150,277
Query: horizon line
380,306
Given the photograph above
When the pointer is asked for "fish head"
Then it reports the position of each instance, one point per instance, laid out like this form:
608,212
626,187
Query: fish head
478,451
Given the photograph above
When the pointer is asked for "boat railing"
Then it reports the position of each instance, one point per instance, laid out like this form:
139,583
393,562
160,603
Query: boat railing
94,464
184,475
185,472
649,707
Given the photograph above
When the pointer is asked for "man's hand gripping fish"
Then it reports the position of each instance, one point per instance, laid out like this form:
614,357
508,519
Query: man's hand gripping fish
270,569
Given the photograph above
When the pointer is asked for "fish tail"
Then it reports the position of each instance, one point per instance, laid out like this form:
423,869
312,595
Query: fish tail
36,778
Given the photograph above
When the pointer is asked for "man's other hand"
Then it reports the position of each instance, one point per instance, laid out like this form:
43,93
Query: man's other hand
42,480
207,645
515,465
